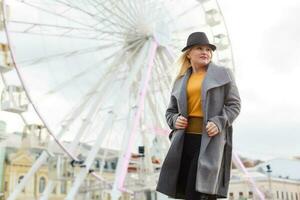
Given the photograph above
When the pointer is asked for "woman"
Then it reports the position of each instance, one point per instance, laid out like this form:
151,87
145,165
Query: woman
203,105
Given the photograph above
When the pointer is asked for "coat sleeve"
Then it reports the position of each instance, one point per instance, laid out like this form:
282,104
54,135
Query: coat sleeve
232,105
172,112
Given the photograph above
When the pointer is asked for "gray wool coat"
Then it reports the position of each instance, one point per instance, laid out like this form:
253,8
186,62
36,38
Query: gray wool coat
220,104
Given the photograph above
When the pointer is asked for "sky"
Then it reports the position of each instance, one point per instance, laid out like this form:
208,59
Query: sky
265,36
266,43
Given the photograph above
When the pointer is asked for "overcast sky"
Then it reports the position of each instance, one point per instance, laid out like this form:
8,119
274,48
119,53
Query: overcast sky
266,42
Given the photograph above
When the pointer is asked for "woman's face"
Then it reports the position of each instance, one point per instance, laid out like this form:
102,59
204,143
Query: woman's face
200,55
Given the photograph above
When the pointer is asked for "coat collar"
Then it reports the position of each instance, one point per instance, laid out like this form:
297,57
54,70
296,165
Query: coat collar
215,77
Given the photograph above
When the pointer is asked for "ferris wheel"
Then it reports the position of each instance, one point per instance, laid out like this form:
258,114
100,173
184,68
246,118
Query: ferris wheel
98,75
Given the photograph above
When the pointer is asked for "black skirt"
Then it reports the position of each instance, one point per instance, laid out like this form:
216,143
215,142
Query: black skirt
186,183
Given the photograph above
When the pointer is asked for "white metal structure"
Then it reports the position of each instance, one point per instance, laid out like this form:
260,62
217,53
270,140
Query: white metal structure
99,72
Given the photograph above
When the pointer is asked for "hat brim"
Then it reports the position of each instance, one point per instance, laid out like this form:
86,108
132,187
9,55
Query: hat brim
213,47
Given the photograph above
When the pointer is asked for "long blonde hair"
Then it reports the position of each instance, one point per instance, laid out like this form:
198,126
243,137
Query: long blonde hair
184,63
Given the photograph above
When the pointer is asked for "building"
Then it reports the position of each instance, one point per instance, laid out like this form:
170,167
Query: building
18,157
280,182
20,151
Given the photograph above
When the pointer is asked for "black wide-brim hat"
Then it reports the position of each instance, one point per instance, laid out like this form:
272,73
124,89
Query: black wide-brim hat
198,38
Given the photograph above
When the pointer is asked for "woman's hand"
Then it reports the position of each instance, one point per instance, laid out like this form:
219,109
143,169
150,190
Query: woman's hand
212,129
181,122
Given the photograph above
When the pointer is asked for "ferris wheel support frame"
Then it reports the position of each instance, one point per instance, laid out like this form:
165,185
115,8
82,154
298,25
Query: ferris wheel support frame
141,101
117,103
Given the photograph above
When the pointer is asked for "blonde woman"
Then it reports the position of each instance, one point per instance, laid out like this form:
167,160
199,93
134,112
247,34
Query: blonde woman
204,103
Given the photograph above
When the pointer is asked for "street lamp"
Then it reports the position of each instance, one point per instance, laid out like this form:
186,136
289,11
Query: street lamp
269,180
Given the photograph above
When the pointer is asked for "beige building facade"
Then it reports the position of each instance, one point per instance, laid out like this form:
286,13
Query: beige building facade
271,187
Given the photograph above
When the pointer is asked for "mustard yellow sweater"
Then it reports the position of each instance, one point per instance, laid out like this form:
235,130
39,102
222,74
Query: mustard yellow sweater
194,94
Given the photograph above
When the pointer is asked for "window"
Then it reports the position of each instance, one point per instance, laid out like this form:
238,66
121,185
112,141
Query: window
19,180
113,165
287,196
296,196
231,196
292,196
277,193
282,196
5,186
54,190
250,195
63,187
97,164
241,195
42,184
106,165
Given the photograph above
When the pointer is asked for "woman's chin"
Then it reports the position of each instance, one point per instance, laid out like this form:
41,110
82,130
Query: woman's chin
203,63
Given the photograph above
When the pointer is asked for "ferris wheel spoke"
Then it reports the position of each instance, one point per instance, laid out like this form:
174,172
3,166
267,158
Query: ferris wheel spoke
132,8
105,18
129,15
167,59
68,18
32,28
159,87
90,70
105,38
186,11
78,109
38,7
63,55
66,83
100,86
165,78
54,26
120,21
153,104
68,32
106,86
94,111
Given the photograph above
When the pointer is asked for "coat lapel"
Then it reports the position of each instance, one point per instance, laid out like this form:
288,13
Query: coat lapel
215,77
182,101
